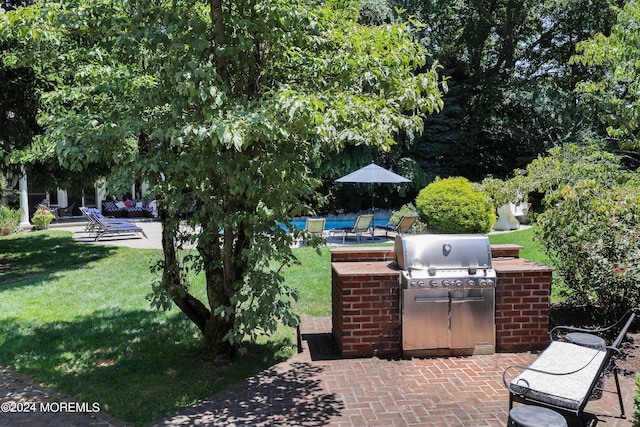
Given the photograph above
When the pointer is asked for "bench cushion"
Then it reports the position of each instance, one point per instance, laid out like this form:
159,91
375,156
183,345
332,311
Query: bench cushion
578,365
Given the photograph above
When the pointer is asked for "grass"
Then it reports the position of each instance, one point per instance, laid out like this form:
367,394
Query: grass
532,250
75,317
312,278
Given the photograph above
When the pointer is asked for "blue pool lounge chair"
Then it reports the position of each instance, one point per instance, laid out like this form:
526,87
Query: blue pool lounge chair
102,226
92,214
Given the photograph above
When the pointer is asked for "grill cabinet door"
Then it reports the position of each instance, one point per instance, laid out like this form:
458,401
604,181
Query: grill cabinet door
425,319
473,318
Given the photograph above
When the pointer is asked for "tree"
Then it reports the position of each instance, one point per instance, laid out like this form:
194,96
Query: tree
18,108
510,85
20,88
614,88
222,106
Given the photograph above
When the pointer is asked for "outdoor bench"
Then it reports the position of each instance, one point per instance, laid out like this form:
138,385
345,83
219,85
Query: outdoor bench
128,209
569,372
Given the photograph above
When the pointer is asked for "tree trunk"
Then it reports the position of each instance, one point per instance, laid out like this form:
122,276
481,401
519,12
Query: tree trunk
191,306
218,327
217,26
220,280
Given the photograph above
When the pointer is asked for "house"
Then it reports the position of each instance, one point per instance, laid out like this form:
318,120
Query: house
92,197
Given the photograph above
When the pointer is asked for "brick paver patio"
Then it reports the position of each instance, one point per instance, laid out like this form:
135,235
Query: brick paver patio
317,388
24,403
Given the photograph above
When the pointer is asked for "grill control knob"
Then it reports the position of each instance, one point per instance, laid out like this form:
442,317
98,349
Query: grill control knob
483,282
458,283
446,283
421,283
434,283
471,282
490,282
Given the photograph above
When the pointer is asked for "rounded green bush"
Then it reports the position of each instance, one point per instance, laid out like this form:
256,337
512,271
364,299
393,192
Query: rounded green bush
451,206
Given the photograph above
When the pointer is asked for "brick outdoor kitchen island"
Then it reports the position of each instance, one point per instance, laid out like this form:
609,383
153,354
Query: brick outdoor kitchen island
366,318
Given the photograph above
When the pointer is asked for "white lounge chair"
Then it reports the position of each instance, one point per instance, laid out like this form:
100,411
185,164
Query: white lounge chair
362,225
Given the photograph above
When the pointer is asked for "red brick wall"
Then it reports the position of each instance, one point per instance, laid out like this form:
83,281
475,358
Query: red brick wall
522,305
366,313
362,254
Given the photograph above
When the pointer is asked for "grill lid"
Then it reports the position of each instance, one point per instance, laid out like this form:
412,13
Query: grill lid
433,252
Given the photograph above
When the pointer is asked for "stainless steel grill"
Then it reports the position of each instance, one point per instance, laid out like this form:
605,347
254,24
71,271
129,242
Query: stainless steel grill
448,294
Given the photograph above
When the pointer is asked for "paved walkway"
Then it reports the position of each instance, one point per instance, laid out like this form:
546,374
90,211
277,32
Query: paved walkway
153,231
318,388
24,403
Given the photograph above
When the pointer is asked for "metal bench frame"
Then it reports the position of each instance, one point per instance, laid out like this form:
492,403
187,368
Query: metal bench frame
608,363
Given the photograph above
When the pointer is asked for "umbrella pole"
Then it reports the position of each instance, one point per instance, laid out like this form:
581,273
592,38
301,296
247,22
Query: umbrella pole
373,212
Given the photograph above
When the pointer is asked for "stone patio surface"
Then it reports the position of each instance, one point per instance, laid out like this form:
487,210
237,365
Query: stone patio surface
318,388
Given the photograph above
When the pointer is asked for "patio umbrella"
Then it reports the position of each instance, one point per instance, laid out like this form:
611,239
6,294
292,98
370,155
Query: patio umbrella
373,174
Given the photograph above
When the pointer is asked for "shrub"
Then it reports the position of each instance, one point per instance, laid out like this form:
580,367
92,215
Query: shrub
498,191
9,220
451,206
592,234
590,227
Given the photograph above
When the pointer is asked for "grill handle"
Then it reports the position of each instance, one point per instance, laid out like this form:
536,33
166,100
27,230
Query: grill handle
466,299
453,300
434,299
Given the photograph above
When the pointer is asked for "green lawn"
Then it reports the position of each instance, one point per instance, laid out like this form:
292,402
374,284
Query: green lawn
313,280
532,250
526,238
75,317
